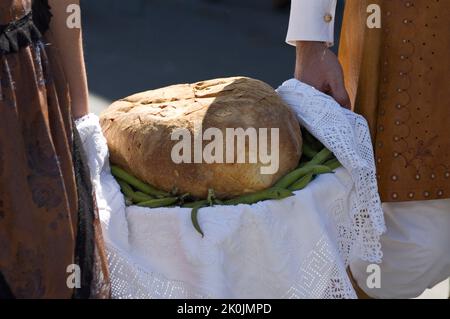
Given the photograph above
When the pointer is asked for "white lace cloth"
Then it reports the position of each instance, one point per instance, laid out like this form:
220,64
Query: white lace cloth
299,247
347,135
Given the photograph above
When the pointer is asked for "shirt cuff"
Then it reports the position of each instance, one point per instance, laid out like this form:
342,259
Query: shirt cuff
312,20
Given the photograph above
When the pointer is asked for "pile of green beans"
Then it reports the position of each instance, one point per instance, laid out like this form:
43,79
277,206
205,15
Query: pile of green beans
314,162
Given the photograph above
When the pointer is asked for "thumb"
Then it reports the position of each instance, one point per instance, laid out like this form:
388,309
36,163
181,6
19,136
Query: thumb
339,93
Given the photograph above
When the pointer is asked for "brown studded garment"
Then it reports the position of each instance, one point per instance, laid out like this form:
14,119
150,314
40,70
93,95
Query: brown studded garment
48,218
399,78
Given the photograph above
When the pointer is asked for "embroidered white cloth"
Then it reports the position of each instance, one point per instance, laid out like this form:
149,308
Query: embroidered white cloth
299,247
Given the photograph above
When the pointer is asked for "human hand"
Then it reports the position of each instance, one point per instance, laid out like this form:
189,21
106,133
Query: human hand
319,67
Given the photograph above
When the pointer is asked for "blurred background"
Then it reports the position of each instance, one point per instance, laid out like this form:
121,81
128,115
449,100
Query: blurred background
137,45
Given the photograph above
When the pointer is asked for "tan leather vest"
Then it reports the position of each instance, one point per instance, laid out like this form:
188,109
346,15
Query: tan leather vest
398,77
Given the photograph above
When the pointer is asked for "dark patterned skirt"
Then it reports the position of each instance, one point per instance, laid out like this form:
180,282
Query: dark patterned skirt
49,226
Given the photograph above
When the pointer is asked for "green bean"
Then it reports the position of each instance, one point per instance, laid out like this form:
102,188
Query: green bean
272,193
198,203
301,172
308,151
194,219
302,164
310,170
321,157
196,208
136,183
321,169
142,197
293,176
211,197
135,197
302,182
333,164
304,169
126,189
161,202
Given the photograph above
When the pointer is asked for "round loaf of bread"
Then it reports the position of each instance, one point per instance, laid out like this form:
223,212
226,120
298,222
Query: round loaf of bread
145,131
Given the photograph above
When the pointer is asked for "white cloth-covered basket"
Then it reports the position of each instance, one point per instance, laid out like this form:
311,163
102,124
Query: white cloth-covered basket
298,247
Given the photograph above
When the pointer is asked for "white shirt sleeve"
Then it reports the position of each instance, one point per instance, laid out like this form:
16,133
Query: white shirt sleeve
312,20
